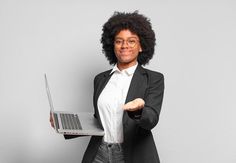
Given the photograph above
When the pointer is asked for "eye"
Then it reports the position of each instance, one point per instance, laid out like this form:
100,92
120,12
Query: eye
132,41
118,42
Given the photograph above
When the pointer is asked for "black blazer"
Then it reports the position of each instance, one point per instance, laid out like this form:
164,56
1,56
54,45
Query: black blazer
139,146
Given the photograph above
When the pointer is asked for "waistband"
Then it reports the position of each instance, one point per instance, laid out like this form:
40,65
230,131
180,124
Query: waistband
119,145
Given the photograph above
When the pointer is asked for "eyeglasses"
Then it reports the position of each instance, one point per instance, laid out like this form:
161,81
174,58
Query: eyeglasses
131,42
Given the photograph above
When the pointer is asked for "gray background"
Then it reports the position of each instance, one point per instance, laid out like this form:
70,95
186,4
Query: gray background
195,51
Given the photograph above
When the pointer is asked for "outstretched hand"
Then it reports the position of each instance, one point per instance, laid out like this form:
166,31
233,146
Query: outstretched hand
134,105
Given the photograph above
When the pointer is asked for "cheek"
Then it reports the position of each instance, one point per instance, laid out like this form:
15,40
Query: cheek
136,52
116,50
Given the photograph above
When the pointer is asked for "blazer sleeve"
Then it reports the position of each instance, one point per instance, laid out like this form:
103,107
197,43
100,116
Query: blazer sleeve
148,117
72,136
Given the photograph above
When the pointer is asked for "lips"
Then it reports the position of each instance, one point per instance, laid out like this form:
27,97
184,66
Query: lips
124,52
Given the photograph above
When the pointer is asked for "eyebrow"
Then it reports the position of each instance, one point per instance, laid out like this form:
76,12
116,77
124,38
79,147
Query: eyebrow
127,38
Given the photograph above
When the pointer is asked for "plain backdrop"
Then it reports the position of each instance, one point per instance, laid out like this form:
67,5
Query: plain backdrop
195,51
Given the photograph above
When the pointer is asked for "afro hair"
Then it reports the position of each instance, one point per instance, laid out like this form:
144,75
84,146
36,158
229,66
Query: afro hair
137,24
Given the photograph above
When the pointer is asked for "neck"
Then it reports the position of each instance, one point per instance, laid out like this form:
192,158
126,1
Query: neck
122,66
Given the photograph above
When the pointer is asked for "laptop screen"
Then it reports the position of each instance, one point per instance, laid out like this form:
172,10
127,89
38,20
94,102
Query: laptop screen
49,94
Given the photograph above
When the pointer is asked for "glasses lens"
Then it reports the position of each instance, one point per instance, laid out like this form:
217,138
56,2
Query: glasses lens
131,42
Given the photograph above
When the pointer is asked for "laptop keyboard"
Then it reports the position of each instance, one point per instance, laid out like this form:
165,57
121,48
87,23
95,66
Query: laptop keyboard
56,120
70,121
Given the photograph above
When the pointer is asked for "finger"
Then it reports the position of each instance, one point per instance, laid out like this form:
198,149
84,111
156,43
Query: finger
131,108
128,107
52,123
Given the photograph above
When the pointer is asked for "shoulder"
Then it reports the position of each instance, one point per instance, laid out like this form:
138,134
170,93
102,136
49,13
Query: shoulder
105,73
153,74
102,75
155,79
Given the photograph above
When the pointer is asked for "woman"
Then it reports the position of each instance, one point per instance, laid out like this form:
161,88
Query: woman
127,99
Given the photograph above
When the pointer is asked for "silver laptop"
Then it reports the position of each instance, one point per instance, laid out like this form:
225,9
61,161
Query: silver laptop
73,123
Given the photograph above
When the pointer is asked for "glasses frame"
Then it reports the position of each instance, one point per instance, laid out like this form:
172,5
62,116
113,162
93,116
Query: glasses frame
127,41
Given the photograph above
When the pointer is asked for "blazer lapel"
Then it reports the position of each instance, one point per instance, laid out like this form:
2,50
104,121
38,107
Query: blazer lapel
137,88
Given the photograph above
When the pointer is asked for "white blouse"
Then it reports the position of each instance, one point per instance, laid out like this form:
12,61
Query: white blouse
110,103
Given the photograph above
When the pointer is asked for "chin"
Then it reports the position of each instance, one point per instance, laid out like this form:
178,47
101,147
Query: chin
125,61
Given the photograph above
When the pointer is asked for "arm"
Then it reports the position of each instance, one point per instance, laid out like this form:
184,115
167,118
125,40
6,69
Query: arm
147,115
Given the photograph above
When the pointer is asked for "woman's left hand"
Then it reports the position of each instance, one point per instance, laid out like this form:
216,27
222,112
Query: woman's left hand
134,105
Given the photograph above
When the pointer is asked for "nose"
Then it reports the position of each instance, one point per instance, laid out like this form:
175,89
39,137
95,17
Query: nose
124,44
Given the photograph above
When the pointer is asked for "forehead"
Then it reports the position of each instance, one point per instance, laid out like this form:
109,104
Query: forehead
125,33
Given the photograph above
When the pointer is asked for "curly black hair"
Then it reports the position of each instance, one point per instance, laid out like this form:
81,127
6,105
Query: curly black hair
137,24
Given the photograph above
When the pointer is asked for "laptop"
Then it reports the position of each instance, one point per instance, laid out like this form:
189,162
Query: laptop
69,123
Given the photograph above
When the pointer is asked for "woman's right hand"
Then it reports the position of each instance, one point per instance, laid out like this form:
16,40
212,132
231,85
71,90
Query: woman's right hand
51,120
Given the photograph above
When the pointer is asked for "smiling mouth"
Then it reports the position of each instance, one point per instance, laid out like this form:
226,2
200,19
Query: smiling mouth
125,52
